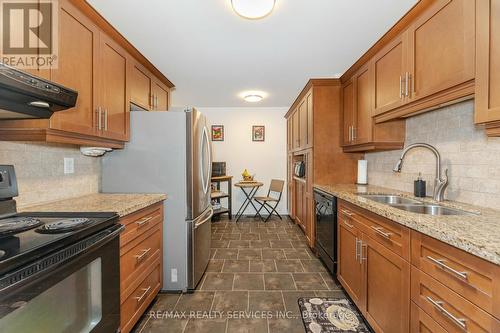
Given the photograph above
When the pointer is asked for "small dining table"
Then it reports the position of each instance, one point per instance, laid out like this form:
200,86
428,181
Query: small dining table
249,189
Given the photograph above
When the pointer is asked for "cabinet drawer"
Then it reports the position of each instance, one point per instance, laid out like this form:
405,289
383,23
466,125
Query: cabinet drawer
391,234
134,306
139,222
421,322
473,278
139,253
451,311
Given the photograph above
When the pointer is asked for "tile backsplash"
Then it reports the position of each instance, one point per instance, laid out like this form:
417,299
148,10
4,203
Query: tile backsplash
472,158
40,171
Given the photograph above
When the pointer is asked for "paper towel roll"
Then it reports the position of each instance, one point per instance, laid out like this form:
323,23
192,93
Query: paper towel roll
363,172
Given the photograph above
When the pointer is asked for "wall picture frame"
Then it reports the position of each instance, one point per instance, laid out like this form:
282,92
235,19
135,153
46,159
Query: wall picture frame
217,132
258,133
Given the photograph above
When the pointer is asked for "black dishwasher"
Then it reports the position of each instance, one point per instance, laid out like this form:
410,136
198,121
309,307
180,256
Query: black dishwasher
326,228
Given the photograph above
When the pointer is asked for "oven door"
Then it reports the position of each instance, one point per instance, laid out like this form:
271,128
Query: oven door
326,228
76,289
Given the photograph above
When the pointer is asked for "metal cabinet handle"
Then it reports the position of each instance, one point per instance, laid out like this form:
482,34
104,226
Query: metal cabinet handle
401,86
99,118
152,101
140,257
105,119
156,101
350,134
380,231
346,212
441,264
354,133
407,87
357,250
141,298
361,257
144,221
460,322
349,225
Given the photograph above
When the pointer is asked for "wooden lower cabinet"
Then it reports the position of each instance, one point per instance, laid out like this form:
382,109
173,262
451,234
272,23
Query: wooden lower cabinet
443,289
386,281
141,263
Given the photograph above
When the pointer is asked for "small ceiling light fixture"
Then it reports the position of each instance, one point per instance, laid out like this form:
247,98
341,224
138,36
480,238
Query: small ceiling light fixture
253,9
253,98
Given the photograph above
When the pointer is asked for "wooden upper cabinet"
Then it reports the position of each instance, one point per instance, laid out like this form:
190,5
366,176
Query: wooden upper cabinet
386,298
113,93
302,124
140,86
348,112
77,69
488,65
364,104
389,66
310,120
441,48
160,96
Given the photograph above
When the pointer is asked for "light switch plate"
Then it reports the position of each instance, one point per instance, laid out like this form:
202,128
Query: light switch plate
69,165
173,275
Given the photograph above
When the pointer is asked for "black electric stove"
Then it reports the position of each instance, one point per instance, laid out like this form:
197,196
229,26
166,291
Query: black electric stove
57,265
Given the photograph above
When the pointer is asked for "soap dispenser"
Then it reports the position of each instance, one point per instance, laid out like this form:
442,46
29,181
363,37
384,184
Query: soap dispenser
419,187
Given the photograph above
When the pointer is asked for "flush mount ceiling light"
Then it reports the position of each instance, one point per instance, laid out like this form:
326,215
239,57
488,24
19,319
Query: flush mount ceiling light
253,96
253,9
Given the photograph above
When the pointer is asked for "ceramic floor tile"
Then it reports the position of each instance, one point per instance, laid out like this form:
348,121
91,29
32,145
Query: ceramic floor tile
296,254
233,266
272,236
239,244
258,244
165,302
309,281
273,254
215,265
248,281
266,301
230,236
291,266
249,236
286,325
197,301
291,299
226,254
218,281
228,301
313,265
170,325
279,281
247,325
266,265
206,326
249,254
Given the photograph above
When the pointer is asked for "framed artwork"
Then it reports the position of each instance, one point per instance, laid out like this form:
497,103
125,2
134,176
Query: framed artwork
217,132
258,133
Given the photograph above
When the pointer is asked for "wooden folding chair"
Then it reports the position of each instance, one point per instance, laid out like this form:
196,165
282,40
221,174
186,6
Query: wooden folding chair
269,202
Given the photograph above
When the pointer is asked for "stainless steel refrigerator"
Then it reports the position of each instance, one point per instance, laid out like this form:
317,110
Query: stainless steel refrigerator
170,152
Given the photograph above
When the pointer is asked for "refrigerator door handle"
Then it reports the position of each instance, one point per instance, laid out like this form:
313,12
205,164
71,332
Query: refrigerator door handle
205,220
206,178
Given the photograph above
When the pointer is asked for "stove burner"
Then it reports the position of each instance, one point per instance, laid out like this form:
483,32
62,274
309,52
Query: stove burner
64,225
17,224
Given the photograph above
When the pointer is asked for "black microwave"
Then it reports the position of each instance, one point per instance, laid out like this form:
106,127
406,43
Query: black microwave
299,169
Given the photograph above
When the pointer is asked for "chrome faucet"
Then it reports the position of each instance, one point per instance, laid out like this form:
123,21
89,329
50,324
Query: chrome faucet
441,183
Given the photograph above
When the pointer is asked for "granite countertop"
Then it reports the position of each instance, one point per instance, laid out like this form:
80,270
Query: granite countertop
476,234
122,204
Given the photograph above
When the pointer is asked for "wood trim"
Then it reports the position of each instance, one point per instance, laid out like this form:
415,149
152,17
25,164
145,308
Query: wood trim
107,28
311,83
56,136
493,129
373,147
447,97
396,29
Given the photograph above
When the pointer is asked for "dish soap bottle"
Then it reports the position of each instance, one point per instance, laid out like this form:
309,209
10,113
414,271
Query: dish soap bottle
419,187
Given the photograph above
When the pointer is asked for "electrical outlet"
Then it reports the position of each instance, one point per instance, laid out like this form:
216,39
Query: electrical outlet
69,165
173,275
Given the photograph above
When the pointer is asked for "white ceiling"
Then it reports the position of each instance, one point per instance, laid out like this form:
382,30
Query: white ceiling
211,54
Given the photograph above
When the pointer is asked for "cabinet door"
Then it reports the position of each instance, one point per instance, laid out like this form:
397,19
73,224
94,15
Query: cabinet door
296,131
161,96
487,61
386,298
289,133
77,69
347,112
113,90
348,266
303,124
441,47
309,106
140,87
363,128
388,68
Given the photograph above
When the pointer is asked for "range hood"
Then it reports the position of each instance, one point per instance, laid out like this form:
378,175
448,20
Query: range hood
25,96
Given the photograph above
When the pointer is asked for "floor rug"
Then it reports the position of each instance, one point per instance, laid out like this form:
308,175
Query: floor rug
325,315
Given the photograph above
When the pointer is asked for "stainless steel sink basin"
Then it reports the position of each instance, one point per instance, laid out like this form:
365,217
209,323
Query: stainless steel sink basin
390,199
431,209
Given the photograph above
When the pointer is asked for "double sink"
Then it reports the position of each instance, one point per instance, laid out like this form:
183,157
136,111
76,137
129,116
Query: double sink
414,206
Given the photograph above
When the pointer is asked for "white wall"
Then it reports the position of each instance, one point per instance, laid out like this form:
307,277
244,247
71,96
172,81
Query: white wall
267,160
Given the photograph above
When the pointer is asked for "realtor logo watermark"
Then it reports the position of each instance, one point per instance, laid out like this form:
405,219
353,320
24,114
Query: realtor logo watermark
29,33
